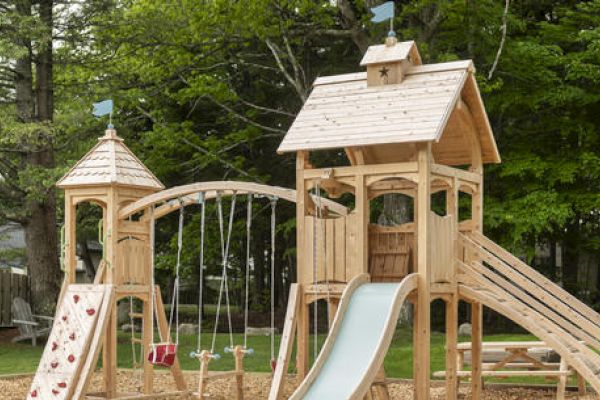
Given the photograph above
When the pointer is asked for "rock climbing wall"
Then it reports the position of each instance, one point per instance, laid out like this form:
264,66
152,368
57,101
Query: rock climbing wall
60,368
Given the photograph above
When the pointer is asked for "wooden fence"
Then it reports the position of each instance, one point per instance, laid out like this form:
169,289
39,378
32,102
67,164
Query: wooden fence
13,283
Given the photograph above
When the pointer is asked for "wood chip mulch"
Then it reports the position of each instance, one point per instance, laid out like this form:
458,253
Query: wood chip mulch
257,387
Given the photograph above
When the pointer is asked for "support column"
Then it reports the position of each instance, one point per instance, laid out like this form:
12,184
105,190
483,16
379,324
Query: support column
423,326
451,346
452,379
148,368
476,338
302,329
70,261
303,336
109,349
362,224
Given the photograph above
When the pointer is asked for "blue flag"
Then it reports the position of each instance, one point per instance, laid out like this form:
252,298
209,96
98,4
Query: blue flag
103,108
383,12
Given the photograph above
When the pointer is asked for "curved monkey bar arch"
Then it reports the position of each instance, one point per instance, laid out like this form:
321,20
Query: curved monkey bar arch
188,194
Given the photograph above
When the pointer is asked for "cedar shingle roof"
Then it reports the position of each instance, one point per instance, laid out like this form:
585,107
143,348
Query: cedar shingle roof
110,162
342,111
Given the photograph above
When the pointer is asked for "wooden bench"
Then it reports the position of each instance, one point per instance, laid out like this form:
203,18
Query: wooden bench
516,359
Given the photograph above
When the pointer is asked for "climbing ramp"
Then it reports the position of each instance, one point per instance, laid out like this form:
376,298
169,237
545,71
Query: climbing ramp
68,358
358,341
502,282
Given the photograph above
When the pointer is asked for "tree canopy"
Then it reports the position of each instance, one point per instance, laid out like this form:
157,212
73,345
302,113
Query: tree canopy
205,90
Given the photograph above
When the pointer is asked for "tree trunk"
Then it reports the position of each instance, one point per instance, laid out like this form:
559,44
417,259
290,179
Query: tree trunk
40,229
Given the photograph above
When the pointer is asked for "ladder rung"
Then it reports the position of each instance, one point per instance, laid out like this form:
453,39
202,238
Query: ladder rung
137,341
136,315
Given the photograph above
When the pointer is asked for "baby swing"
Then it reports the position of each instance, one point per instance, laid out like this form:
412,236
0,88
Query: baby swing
163,353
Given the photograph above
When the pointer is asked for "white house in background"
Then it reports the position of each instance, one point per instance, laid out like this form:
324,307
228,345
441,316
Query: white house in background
12,246
12,251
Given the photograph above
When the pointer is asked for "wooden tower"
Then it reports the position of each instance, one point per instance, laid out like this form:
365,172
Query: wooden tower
405,128
111,176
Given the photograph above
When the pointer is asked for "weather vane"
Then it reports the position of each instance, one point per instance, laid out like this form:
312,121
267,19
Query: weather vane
103,108
384,12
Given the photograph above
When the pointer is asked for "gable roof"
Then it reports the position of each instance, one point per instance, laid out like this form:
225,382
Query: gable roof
342,111
110,162
384,53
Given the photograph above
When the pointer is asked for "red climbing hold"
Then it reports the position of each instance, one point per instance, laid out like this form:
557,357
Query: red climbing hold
34,393
62,385
54,364
55,392
72,336
273,364
54,346
76,298
90,311
71,358
64,318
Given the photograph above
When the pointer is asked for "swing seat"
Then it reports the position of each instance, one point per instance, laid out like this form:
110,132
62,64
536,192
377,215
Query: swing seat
162,354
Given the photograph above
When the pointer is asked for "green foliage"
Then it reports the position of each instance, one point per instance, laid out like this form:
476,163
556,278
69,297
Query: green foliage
206,90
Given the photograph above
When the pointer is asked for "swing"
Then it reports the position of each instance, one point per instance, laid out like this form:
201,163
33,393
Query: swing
163,354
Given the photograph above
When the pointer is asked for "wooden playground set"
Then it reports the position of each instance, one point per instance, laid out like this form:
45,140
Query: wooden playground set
406,128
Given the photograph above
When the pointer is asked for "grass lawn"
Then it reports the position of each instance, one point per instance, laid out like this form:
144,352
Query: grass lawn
21,358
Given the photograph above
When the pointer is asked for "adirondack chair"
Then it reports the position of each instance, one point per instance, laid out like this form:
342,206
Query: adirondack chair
27,322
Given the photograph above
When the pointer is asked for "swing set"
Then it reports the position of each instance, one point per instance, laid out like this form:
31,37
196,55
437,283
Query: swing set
163,353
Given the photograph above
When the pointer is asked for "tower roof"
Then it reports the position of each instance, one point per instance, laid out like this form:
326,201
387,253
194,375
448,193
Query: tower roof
110,162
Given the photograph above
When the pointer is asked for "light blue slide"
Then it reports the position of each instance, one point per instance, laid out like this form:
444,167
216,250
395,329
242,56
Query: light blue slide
358,341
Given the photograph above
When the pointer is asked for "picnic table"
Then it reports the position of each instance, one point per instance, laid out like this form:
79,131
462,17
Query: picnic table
517,359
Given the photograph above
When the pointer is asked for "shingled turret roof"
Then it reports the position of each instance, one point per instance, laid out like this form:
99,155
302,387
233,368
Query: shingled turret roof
110,162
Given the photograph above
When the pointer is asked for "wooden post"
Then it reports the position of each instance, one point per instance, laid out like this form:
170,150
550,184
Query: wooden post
476,345
238,352
70,239
452,361
422,348
379,386
287,342
362,224
303,335
148,368
109,350
163,326
562,380
302,332
205,358
451,346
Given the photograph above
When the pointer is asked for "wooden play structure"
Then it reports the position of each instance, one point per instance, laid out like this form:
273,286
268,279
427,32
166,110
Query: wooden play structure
416,130
406,128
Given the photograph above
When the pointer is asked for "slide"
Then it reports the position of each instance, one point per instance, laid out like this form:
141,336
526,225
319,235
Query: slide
74,340
358,341
504,283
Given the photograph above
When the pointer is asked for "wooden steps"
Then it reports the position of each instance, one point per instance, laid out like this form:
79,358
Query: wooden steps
504,283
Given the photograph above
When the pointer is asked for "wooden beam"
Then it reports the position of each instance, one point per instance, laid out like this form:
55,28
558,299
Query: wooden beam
379,169
476,352
451,347
362,224
423,206
287,344
302,202
450,172
188,193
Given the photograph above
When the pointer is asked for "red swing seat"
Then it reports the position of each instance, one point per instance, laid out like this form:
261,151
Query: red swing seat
162,354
